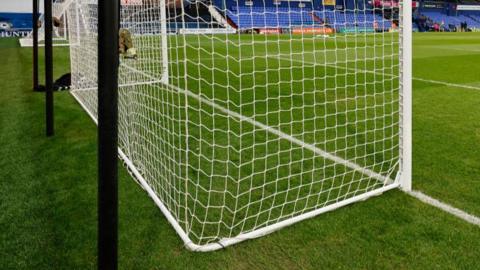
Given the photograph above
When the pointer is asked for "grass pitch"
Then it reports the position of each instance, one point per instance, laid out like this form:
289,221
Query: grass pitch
50,192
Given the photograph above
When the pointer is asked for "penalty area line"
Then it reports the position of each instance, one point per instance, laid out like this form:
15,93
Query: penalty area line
445,207
448,84
375,71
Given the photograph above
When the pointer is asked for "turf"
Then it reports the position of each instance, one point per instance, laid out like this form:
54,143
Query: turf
49,195
446,127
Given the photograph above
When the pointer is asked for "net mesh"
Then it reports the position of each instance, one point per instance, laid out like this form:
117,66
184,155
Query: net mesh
239,117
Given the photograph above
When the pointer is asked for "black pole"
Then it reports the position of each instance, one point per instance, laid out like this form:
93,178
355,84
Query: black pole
35,43
48,67
108,61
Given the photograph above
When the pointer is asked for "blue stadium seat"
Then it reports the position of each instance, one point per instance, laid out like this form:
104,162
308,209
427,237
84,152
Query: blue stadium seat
284,17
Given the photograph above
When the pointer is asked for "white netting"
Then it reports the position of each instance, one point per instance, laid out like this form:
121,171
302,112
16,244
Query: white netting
237,117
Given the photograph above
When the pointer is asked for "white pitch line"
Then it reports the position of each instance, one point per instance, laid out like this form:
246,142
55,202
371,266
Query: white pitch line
445,207
366,71
451,48
333,66
311,147
448,84
290,138
376,72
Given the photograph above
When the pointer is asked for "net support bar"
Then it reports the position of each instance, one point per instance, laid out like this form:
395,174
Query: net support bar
107,133
35,43
245,236
164,34
49,68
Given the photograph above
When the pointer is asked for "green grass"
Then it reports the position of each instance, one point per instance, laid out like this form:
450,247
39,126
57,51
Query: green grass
446,119
48,192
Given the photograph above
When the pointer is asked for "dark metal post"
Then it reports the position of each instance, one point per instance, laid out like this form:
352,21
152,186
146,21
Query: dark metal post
35,43
48,67
108,61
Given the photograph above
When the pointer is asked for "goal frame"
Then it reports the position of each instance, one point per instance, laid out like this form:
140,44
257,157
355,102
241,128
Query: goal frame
403,180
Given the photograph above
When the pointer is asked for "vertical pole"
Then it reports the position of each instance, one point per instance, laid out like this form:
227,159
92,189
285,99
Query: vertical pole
108,62
406,95
35,43
48,67
164,33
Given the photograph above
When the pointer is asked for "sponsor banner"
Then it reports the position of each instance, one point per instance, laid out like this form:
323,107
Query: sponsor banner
197,31
329,2
15,24
14,33
385,4
15,21
312,30
433,5
357,30
270,31
131,2
468,7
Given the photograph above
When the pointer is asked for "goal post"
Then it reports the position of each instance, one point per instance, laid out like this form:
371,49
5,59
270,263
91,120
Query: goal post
164,35
241,118
406,90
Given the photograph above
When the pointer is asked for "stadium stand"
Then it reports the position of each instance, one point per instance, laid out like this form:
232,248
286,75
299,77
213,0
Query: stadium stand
282,17
439,17
196,15
270,17
473,15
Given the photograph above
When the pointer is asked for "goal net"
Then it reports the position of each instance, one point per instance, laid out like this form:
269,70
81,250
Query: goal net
240,118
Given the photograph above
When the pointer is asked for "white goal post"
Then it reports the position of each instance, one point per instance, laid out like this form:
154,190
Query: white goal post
239,119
